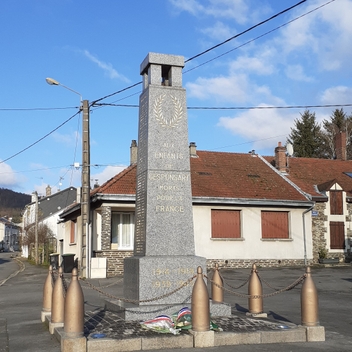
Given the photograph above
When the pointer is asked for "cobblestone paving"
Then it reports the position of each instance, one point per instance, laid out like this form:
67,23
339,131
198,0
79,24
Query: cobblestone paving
102,323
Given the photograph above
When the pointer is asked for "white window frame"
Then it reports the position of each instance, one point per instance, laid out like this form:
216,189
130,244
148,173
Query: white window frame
118,238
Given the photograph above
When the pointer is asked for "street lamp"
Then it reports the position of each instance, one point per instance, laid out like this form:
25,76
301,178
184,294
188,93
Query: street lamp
85,194
54,82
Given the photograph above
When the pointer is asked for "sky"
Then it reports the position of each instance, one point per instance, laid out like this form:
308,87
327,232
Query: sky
300,58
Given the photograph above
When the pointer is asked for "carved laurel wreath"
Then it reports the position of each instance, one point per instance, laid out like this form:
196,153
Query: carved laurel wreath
158,112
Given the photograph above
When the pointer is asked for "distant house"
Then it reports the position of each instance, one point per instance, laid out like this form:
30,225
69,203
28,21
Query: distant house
244,210
328,183
9,235
49,208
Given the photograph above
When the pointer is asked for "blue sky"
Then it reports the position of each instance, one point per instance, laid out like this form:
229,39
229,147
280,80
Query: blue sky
96,49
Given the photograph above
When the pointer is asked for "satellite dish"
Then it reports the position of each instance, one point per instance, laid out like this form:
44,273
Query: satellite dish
289,148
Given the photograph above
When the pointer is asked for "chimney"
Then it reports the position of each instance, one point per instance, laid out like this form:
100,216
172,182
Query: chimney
78,195
48,191
34,197
193,150
133,152
280,157
340,146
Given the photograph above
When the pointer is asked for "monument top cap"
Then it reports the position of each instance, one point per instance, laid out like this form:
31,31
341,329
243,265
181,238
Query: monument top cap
161,59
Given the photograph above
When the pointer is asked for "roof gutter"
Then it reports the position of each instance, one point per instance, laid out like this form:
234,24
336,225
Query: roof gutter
115,197
248,201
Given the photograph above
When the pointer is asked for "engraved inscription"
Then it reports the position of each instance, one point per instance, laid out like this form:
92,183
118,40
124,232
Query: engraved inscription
165,276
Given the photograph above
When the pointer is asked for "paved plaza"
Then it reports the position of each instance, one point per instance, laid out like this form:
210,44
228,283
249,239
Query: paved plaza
21,301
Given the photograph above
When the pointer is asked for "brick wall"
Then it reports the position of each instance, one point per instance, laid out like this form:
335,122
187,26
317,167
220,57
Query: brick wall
114,262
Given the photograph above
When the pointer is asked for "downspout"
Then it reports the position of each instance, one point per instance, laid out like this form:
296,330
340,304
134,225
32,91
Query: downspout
304,234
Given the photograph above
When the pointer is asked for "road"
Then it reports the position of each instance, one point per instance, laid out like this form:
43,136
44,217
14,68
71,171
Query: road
21,302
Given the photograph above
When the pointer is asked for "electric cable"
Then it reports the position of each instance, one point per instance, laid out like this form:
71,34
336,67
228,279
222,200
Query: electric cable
246,31
40,139
38,109
212,48
238,107
258,37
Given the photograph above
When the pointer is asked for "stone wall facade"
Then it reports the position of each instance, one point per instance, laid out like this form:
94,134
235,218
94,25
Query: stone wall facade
105,228
319,230
247,263
349,233
114,262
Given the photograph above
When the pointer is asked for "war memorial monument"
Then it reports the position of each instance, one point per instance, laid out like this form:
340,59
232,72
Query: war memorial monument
164,253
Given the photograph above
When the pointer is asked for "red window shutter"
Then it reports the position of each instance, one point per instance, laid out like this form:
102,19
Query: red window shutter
275,224
336,207
225,224
337,235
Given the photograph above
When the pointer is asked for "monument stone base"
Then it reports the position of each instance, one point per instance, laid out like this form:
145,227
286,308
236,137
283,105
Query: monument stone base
160,280
134,312
156,285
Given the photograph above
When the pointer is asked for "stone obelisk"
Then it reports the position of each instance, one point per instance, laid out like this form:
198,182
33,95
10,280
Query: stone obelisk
164,254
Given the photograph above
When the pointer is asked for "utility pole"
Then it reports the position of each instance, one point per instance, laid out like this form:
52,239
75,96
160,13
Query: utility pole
85,194
85,178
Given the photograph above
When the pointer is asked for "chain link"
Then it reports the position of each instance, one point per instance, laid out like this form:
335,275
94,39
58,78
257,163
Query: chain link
140,301
64,285
243,295
53,279
234,287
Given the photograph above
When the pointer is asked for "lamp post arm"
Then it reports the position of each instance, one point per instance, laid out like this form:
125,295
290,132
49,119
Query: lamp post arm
80,96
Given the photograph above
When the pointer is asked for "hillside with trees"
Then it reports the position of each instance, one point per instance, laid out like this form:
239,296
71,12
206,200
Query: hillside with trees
12,204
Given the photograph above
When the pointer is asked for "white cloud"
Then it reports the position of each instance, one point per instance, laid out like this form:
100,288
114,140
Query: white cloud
219,31
323,36
258,125
70,140
106,174
233,89
8,177
257,65
296,72
107,67
337,95
236,9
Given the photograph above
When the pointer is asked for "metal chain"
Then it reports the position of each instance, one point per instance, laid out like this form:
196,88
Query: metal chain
53,279
106,286
64,285
234,287
242,295
267,283
141,301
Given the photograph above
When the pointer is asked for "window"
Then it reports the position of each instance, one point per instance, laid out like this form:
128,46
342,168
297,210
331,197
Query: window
337,235
225,224
336,207
275,224
73,231
122,229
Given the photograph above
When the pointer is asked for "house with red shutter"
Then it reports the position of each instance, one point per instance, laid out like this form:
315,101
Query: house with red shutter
328,183
245,210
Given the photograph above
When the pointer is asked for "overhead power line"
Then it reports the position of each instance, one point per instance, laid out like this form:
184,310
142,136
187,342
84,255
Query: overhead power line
238,107
38,109
245,31
258,37
40,139
212,48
